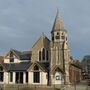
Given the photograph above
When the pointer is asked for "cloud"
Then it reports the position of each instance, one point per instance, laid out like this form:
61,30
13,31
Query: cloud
22,22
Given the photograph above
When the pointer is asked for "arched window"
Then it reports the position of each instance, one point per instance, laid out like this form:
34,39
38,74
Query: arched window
39,55
43,54
36,73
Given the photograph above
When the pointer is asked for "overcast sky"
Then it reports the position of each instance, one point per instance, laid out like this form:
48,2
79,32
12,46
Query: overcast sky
23,21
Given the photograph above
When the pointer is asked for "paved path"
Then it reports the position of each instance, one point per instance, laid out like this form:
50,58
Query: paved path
81,86
78,87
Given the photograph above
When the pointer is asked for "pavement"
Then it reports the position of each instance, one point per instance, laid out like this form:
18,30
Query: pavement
80,86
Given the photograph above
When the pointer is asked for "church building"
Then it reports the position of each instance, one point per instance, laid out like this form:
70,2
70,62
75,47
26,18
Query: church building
47,63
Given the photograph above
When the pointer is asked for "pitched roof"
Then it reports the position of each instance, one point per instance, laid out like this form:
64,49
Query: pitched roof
79,67
58,24
77,64
57,68
25,55
23,66
2,64
44,65
42,37
41,65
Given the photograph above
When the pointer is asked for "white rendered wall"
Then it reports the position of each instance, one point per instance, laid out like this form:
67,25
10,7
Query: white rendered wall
43,79
15,61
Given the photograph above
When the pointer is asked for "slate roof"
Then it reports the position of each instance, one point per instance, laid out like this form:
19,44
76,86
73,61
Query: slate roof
23,66
86,58
44,65
75,65
25,55
56,68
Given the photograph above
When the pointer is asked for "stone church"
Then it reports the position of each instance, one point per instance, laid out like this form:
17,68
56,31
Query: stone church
47,63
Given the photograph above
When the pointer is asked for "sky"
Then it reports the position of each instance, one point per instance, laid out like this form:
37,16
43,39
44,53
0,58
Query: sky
23,21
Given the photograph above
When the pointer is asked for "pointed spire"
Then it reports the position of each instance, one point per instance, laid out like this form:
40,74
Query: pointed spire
58,24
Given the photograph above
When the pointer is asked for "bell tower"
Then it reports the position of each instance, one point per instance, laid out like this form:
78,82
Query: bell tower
58,33
59,48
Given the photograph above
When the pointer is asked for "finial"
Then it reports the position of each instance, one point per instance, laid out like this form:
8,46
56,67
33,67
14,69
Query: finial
43,34
57,12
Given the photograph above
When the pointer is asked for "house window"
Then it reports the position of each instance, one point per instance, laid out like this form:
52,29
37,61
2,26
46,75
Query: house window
27,77
11,59
36,74
39,55
1,68
19,77
11,76
1,76
36,77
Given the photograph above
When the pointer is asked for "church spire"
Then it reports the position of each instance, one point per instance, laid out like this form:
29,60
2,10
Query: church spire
58,24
